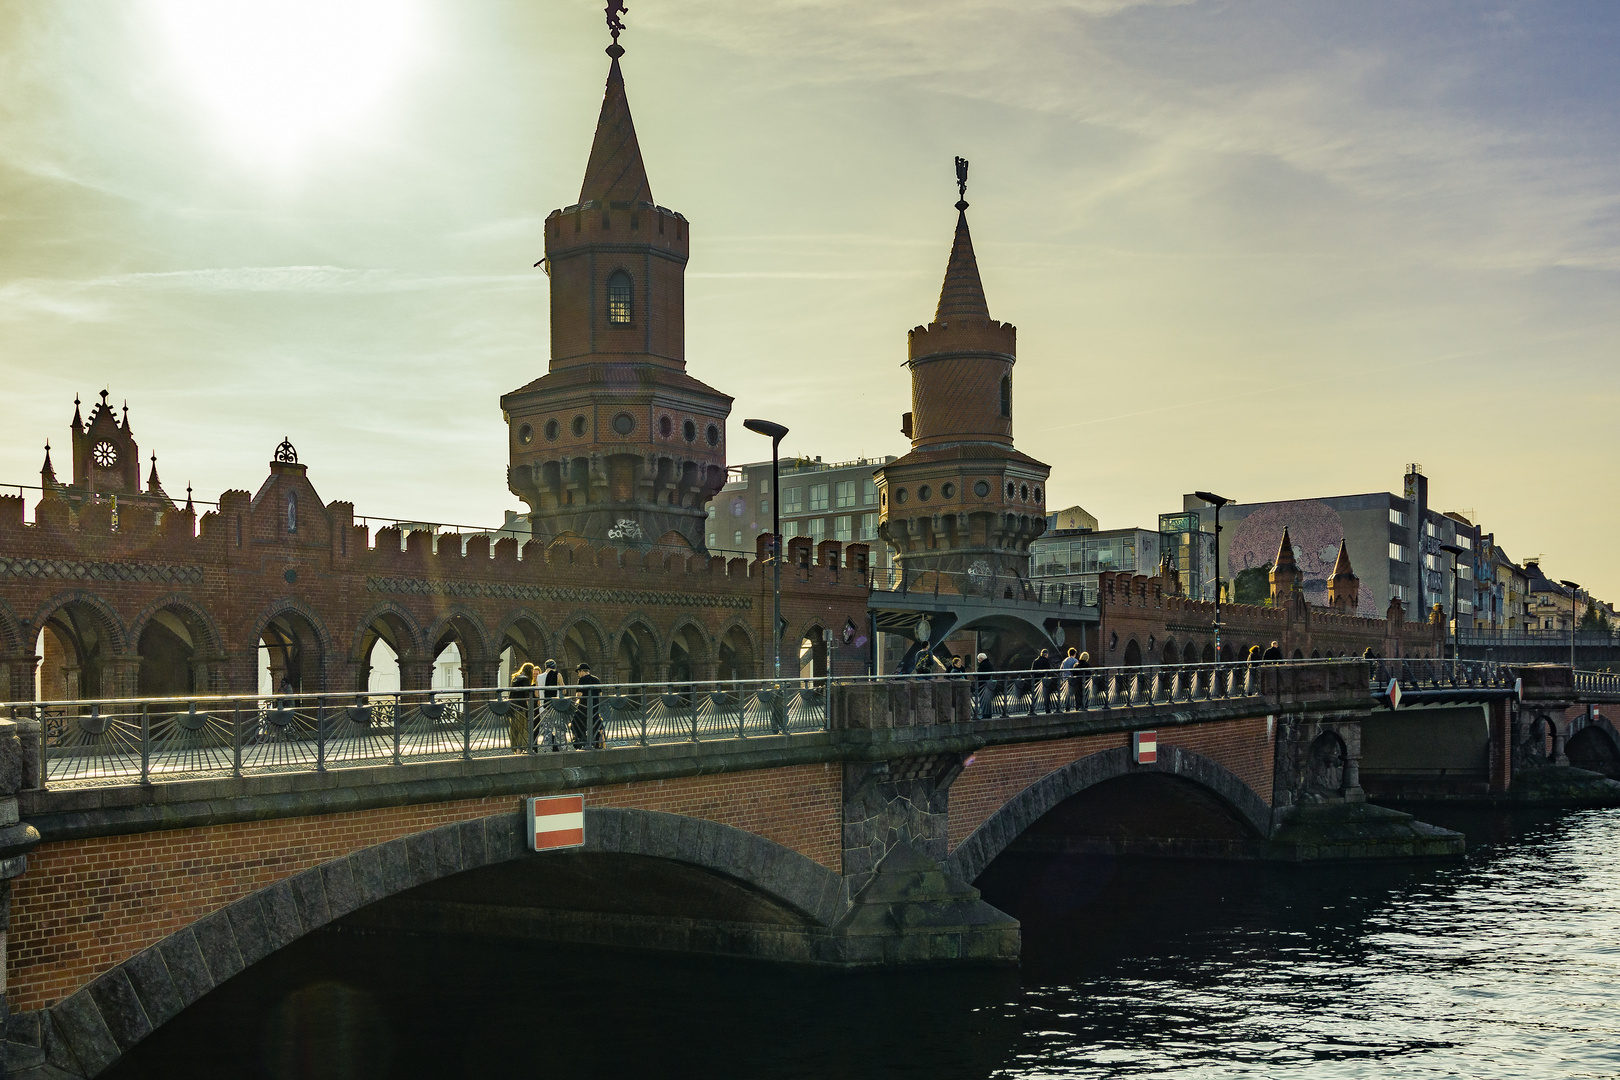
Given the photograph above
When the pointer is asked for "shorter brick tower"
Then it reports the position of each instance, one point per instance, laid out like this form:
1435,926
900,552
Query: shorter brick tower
617,442
1285,579
964,500
1344,588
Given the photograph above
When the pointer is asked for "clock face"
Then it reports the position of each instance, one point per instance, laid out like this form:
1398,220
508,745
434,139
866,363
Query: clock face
105,454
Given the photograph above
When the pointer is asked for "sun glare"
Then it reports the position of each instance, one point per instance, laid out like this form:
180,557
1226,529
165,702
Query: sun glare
281,75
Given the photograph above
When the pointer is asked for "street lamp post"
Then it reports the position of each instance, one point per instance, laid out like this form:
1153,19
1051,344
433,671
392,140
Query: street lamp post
1217,501
775,432
1574,605
1456,614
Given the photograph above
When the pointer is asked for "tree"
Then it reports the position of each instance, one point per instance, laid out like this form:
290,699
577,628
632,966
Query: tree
1252,586
1595,620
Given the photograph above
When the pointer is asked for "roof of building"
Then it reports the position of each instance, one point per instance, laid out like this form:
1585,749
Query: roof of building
615,173
963,292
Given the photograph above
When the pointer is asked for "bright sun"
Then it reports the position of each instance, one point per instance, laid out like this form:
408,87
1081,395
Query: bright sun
283,74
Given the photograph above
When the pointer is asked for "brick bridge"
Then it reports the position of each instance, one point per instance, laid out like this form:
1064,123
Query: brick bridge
850,839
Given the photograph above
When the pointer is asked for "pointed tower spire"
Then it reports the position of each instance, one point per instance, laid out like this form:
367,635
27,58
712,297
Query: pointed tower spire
615,173
191,507
78,421
47,472
963,292
1344,588
1284,571
153,486
126,414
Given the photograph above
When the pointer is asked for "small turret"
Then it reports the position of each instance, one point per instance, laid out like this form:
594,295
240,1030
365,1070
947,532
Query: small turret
1284,571
47,472
1344,588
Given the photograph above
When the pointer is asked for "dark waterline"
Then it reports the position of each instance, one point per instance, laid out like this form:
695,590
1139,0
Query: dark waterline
1504,964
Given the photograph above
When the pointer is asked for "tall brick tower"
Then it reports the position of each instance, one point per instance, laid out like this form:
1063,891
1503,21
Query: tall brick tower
617,442
964,499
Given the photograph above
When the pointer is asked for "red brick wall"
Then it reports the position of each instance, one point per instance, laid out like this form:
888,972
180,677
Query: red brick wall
999,773
86,906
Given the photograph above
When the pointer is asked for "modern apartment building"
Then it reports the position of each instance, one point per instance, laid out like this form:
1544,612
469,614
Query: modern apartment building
821,500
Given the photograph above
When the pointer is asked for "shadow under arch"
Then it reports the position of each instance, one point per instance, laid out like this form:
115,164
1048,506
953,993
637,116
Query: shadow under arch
101,1022
1592,743
980,848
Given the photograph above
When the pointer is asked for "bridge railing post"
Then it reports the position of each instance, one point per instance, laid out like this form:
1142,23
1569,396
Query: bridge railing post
466,725
396,728
320,737
236,739
146,745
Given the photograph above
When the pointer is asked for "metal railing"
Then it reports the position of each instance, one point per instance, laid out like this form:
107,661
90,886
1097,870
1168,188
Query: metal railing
1438,674
1597,682
894,579
143,740
1049,690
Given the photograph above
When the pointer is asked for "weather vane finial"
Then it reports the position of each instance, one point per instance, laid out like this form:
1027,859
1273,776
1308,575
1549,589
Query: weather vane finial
961,183
615,9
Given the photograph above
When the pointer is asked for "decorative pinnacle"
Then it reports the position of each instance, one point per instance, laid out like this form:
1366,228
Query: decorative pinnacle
616,8
961,183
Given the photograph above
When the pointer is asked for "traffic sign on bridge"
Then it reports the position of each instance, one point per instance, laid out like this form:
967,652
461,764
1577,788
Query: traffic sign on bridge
557,821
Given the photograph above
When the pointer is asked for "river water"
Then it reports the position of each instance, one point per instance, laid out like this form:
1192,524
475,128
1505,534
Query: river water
1504,964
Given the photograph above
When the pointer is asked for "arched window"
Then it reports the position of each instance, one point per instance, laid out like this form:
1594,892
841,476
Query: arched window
619,294
1006,396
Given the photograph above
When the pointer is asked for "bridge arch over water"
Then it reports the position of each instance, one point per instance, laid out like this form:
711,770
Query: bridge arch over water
788,894
1176,769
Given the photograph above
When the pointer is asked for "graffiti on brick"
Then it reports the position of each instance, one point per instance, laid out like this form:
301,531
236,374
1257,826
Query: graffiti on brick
69,570
481,590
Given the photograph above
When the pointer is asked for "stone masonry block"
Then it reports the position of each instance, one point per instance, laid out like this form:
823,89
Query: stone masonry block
424,858
369,879
121,1008
182,955
473,847
85,1031
342,895
149,975
280,910
247,923
447,848
309,894
217,941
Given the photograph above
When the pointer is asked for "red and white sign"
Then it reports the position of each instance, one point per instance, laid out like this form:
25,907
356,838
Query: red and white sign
557,821
1145,747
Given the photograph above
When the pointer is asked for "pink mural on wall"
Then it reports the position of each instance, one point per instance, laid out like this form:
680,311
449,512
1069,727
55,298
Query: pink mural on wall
1315,529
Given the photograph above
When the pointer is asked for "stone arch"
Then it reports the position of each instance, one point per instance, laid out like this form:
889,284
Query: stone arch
172,974
582,639
1208,656
1170,654
12,638
286,630
637,651
1189,653
738,653
180,648
527,636
472,662
690,653
1593,743
1133,654
83,641
394,626
810,651
974,854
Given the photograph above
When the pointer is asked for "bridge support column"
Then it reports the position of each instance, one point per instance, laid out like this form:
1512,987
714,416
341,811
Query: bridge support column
16,839
1501,750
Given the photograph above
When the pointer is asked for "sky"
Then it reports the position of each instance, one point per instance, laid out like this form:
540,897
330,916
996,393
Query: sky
1272,249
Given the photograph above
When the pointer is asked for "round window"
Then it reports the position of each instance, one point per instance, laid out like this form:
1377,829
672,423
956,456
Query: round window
552,430
525,434
982,489
664,426
105,453
624,423
579,426
900,495
924,492
689,431
947,491
713,435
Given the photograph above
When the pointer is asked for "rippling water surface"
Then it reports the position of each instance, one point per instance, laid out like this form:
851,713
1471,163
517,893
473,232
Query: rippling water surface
1506,964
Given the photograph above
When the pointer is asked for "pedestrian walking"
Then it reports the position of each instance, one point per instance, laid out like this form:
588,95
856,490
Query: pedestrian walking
1041,663
1068,666
984,684
522,700
550,687
1273,653
587,722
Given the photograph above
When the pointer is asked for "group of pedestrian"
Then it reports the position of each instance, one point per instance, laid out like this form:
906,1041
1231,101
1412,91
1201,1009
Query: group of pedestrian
533,691
1042,687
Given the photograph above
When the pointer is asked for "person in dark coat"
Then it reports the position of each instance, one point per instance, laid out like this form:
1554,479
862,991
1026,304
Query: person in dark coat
1041,663
587,723
984,684
522,697
1273,653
